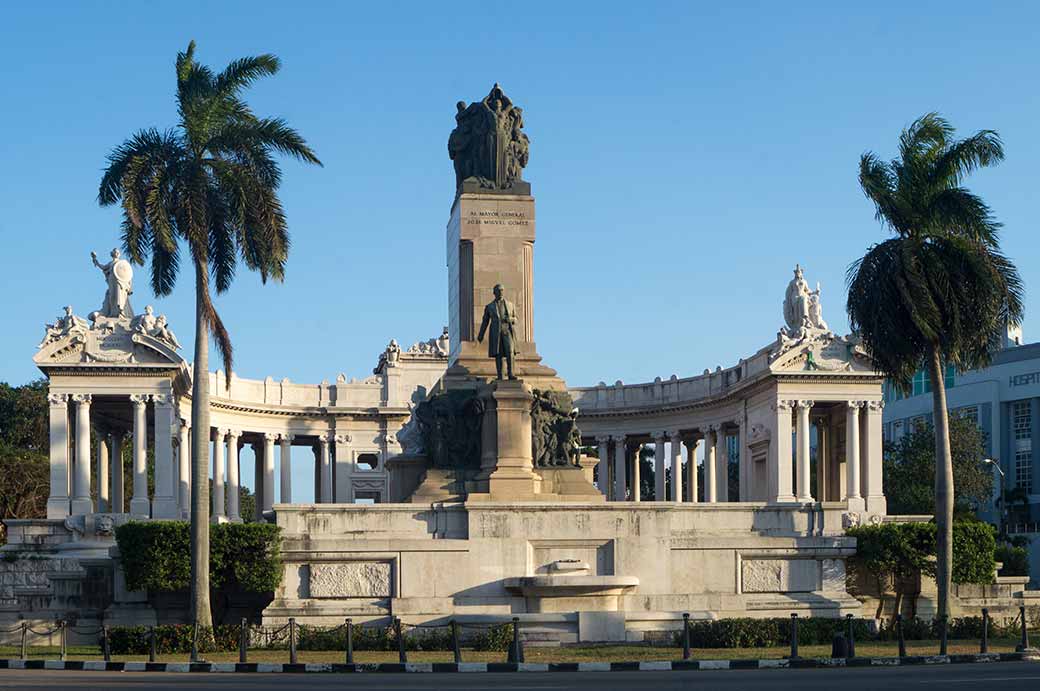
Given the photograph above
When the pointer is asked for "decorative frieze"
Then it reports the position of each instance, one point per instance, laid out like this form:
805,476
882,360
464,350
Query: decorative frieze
370,579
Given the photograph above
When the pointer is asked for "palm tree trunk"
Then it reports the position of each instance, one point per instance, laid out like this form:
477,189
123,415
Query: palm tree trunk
943,484
200,607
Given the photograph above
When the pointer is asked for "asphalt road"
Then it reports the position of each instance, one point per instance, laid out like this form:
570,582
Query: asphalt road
1008,676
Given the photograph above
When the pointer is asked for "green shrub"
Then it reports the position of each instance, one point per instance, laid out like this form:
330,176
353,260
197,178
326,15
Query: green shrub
156,556
765,633
1015,560
496,638
135,640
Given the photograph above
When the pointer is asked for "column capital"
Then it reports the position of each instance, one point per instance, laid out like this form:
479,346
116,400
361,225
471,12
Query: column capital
286,438
618,438
58,399
270,436
805,404
602,438
674,436
323,441
140,399
342,438
854,405
162,399
875,407
660,434
236,433
783,405
81,397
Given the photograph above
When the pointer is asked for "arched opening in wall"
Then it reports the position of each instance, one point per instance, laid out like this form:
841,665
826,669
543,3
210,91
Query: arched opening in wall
367,461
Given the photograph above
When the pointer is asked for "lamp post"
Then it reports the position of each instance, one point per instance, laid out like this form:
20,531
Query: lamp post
1002,498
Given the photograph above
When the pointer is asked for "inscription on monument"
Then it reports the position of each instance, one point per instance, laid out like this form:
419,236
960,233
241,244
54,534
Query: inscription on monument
495,217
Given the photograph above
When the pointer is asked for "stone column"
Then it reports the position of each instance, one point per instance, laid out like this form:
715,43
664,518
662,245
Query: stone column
316,450
285,468
803,459
268,498
258,480
164,504
217,497
637,485
873,492
677,474
58,499
691,468
118,491
744,490
823,470
139,504
780,455
711,485
603,442
344,468
81,501
184,461
620,474
233,482
660,490
103,504
852,449
721,464
327,487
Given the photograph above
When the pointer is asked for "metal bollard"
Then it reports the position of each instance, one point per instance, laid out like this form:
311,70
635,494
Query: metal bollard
106,645
62,640
456,650
151,644
851,637
794,636
350,641
402,656
195,643
943,620
686,636
984,644
899,633
1024,645
292,640
517,650
25,635
243,641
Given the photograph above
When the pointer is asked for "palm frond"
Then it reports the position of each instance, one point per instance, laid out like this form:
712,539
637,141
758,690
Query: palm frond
244,71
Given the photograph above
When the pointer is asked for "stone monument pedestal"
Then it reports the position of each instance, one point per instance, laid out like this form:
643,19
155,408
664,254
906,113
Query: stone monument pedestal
506,466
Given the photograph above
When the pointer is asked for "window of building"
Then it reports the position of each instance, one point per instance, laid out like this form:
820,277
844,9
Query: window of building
968,412
367,461
1022,433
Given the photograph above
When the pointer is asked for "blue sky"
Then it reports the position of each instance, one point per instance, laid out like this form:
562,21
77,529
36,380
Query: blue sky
683,156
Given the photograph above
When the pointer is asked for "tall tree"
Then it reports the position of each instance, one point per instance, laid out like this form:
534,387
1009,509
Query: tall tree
210,184
938,292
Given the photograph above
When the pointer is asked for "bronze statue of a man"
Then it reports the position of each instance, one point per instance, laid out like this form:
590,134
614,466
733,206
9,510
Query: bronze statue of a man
501,316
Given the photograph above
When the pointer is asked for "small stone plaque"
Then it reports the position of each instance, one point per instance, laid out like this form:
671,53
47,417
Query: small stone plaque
350,579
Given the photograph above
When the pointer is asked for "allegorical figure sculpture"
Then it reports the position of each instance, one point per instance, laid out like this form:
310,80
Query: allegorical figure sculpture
119,275
500,315
70,324
802,309
555,438
488,143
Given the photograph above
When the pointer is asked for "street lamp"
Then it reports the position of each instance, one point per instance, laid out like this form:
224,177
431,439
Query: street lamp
1003,507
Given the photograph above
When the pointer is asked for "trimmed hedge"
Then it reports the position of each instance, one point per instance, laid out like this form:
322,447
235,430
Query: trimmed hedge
243,557
903,549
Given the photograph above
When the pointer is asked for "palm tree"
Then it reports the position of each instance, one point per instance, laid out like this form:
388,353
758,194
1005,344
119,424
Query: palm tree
940,291
212,183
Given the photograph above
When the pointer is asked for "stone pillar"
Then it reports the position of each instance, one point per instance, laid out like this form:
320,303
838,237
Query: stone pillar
852,445
637,484
103,503
691,468
506,464
677,474
711,485
823,470
118,503
873,492
344,468
780,455
620,474
745,490
139,504
601,467
803,459
268,497
164,504
58,499
285,468
722,464
81,501
233,482
325,468
258,481
660,489
184,461
217,513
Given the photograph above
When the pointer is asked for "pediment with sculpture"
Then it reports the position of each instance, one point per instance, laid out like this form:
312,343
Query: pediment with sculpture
112,334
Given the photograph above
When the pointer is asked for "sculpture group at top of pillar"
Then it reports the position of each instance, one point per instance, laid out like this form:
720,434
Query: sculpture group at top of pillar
120,276
500,315
803,313
487,143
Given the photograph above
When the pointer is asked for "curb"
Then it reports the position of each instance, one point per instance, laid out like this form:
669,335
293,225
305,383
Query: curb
464,667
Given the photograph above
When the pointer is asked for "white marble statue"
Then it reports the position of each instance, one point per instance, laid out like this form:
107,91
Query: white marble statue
816,310
120,276
393,352
163,333
64,326
144,323
803,312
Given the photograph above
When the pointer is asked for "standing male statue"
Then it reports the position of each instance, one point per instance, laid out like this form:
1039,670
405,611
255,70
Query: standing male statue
501,315
119,275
